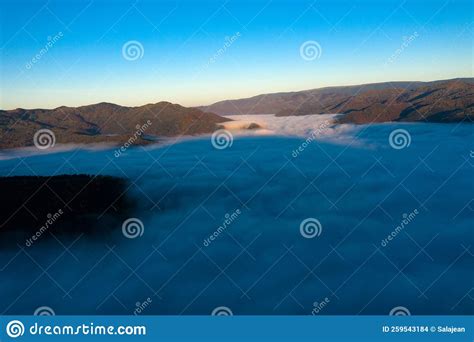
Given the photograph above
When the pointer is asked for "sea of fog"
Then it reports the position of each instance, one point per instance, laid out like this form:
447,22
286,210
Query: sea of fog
259,190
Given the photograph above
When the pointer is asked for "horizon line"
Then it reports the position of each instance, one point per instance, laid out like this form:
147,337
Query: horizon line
248,97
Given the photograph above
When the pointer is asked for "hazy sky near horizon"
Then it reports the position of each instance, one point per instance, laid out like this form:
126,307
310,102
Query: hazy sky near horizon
72,53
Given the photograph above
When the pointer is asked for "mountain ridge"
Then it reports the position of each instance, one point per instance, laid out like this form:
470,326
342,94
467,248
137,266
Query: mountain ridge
363,101
441,101
104,122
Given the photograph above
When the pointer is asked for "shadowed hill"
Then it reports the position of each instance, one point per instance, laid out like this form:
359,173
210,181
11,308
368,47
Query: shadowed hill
39,206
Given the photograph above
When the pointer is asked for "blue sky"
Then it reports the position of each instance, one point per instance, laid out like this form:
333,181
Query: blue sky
185,59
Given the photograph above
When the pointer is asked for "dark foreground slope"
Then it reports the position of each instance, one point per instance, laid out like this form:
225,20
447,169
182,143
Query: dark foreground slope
104,122
38,208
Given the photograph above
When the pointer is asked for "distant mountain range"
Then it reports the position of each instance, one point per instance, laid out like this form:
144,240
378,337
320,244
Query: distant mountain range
438,101
105,122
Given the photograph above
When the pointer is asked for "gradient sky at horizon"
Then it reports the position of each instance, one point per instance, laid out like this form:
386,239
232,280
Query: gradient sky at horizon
359,41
